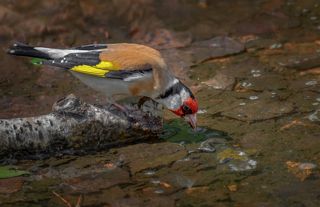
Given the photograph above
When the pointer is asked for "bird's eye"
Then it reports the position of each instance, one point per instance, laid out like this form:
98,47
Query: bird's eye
186,109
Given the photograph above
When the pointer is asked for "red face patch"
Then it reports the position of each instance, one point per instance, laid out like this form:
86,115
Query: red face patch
190,106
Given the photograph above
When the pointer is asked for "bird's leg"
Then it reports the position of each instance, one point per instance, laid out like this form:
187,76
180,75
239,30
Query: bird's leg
118,106
142,101
148,105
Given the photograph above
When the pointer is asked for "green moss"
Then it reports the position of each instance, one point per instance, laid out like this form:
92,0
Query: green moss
178,130
10,171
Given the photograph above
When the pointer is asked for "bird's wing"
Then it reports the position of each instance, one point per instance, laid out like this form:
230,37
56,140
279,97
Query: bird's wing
119,61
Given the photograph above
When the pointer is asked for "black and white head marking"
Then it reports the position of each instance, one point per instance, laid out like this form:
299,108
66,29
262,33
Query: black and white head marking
174,96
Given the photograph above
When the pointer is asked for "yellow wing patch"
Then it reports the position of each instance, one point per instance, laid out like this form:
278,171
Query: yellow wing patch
97,70
105,65
90,70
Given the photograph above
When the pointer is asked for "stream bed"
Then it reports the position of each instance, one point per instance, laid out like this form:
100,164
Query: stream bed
254,67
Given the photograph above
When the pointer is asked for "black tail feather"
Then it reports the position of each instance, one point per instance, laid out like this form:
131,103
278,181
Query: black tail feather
21,49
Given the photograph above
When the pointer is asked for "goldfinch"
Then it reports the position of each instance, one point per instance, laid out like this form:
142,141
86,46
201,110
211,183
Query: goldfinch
120,69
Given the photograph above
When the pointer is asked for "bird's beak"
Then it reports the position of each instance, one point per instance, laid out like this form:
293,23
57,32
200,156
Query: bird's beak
192,120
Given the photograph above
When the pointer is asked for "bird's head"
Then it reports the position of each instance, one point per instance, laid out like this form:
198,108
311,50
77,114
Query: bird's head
179,99
188,110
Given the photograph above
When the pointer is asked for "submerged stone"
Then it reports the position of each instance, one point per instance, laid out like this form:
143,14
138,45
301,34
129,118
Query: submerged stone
311,83
207,146
216,47
315,116
236,160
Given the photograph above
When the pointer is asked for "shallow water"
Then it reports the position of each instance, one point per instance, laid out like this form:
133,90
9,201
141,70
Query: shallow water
255,74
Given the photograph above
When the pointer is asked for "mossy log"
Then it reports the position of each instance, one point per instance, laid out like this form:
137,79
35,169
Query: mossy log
75,127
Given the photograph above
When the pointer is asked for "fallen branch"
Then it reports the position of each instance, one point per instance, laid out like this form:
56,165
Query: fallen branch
75,126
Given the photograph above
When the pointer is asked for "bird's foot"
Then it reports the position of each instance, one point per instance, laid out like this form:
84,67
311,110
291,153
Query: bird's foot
121,108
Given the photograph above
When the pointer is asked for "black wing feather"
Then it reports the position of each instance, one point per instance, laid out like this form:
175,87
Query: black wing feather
74,59
123,74
92,47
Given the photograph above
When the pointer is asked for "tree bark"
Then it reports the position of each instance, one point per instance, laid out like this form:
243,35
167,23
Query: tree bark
75,127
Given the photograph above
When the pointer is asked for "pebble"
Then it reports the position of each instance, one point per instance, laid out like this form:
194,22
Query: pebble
252,163
318,99
243,166
156,182
186,159
276,46
255,71
314,116
185,181
159,191
202,111
311,83
297,62
242,153
313,18
207,146
253,97
307,166
305,10
217,87
246,84
150,172
242,104
255,75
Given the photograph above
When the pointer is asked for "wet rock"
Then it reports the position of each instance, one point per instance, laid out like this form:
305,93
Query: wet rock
216,47
11,185
113,196
95,183
258,43
232,187
297,193
253,140
165,39
303,62
5,33
209,144
301,170
221,81
35,26
236,160
151,201
304,101
151,156
315,116
311,83
260,108
8,16
267,82
177,61
261,24
40,187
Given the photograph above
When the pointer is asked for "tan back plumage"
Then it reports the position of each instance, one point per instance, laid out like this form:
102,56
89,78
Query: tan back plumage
126,56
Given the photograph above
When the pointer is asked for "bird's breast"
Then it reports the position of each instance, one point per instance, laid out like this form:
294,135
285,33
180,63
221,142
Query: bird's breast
113,87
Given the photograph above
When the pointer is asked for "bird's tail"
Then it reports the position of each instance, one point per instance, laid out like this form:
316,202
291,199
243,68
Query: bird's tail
21,49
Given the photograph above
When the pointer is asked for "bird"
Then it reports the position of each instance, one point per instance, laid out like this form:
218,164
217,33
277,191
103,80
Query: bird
128,69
